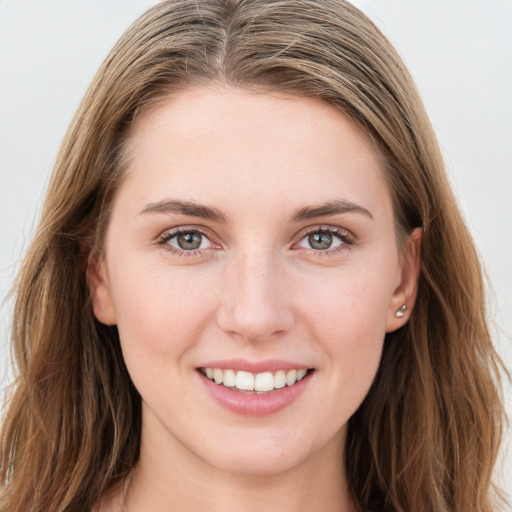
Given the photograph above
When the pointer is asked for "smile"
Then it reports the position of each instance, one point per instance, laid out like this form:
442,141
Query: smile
244,381
255,388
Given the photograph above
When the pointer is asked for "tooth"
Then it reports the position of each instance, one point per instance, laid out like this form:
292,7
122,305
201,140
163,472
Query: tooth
229,378
280,379
261,382
244,381
291,377
264,382
301,374
218,375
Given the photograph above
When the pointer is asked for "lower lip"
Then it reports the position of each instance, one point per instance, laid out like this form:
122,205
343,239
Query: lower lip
249,404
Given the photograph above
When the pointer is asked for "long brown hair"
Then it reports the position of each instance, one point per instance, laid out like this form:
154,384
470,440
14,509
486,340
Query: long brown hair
425,438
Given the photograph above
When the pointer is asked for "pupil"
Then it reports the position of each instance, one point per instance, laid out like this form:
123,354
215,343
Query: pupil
320,240
189,241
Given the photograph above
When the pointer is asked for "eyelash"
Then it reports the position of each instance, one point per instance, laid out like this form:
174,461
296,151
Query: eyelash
164,239
347,240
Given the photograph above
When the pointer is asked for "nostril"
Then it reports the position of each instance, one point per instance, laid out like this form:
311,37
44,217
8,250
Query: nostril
255,325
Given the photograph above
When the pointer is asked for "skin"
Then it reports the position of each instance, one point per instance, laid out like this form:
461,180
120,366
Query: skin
257,289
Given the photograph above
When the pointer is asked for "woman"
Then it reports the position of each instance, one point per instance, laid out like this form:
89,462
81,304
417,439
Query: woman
251,286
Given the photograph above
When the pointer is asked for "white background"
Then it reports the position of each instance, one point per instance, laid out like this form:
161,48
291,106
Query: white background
459,52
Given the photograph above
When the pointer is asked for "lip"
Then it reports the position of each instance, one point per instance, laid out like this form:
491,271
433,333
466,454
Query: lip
249,404
268,365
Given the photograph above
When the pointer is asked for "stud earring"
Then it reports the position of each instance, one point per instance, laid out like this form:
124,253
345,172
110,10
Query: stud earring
400,311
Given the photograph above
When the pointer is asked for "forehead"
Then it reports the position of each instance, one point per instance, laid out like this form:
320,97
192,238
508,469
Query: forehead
217,142
238,113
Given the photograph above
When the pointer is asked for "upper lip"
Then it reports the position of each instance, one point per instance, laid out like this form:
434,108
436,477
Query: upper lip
268,365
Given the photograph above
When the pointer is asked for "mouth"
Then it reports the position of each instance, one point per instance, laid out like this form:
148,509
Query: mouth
255,383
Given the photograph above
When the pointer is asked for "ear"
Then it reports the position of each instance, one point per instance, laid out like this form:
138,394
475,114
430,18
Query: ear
406,291
101,298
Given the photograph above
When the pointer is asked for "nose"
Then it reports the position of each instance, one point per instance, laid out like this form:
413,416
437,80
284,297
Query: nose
256,302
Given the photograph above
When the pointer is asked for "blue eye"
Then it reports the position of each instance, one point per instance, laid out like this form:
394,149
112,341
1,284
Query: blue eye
186,240
323,240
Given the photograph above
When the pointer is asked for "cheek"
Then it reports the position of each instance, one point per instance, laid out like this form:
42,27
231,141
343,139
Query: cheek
347,317
352,301
158,312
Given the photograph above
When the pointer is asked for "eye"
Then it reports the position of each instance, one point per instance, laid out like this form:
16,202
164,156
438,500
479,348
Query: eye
185,240
325,239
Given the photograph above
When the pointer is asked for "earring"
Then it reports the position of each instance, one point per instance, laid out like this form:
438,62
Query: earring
400,311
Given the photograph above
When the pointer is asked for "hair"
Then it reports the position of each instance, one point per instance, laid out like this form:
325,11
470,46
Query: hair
426,436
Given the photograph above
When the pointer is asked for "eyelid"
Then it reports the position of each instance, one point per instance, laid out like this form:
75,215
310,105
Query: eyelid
166,235
345,235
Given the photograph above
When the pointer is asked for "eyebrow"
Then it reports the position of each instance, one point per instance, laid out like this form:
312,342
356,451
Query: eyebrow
185,208
335,207
328,208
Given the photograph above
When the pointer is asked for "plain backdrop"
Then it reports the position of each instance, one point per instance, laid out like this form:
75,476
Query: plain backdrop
459,52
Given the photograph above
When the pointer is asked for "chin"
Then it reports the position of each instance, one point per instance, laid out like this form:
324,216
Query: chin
258,454
261,464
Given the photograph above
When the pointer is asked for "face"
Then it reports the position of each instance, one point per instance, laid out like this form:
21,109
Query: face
252,268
